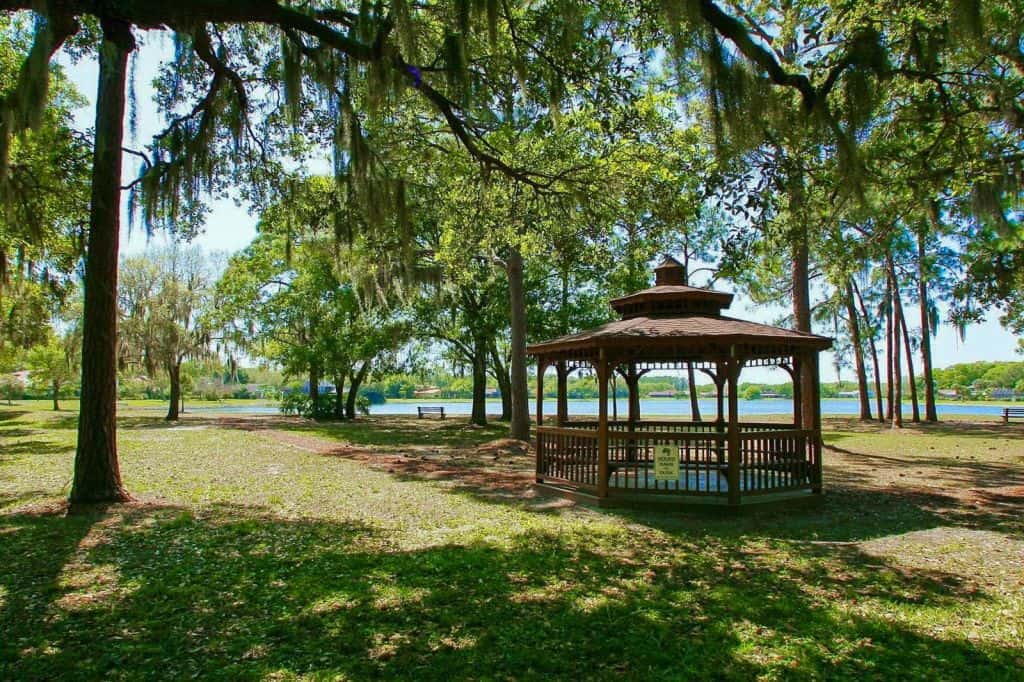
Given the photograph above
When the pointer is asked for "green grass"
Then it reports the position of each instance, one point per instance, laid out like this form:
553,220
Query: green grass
279,548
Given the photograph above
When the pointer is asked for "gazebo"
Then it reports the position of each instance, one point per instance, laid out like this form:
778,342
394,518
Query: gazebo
724,462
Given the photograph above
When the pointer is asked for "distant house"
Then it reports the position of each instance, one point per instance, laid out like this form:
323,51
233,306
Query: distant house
492,393
1002,394
770,394
430,392
662,394
951,393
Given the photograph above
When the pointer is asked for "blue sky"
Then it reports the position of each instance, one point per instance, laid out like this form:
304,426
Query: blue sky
231,227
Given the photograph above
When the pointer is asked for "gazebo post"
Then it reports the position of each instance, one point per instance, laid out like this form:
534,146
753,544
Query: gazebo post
539,450
733,370
815,410
796,377
562,410
542,365
602,424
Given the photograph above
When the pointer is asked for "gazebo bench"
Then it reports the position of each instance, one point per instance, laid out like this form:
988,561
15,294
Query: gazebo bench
420,411
1015,412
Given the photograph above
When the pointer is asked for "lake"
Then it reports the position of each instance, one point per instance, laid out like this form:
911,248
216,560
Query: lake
648,408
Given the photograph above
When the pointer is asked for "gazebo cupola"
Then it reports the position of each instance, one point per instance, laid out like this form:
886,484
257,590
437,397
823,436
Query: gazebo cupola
670,296
671,326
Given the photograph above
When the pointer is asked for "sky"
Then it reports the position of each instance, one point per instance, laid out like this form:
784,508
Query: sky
230,227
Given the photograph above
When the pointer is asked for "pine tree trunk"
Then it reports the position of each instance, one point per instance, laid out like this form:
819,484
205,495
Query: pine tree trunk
915,408
894,349
519,428
174,374
874,352
691,380
802,313
858,355
890,388
930,412
355,383
478,415
97,475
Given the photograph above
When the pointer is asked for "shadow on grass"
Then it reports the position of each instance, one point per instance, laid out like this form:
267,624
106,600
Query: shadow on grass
833,426
848,514
9,413
964,473
392,431
403,432
236,594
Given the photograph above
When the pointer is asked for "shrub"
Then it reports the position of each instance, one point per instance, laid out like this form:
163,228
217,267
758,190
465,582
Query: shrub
296,403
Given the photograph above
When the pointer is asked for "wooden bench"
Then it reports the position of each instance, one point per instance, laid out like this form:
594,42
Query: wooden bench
1016,412
429,410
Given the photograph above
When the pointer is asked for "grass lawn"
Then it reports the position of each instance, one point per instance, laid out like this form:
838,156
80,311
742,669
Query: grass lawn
270,547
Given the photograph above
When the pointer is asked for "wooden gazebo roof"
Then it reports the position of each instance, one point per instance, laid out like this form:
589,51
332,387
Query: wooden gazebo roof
671,318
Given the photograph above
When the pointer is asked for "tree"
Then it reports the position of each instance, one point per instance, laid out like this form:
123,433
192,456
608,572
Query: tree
54,364
164,310
298,298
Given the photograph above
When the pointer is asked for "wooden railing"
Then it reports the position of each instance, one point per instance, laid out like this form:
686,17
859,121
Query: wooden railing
567,455
772,461
773,457
702,461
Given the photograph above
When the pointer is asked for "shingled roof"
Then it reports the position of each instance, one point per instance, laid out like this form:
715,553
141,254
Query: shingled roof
671,315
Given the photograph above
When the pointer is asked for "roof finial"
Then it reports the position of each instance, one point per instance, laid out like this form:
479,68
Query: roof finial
670,273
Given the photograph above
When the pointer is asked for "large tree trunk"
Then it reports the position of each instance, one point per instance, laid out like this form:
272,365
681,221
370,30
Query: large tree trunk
174,374
355,383
56,396
520,426
97,474
930,412
478,415
802,312
858,355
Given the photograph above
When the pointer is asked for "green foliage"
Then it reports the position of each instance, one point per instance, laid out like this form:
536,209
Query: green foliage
980,375
301,300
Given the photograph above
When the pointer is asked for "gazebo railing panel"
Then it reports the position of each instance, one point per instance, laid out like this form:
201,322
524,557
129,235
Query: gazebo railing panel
702,462
568,455
776,461
771,460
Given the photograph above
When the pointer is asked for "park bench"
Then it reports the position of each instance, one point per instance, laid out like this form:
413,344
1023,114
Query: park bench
429,410
1016,412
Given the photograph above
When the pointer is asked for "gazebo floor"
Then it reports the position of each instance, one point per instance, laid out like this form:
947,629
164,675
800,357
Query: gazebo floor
672,501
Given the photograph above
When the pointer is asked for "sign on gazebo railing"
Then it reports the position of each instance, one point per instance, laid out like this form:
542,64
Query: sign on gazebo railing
666,463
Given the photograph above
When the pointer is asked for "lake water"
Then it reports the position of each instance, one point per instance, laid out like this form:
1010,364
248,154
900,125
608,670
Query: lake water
648,408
